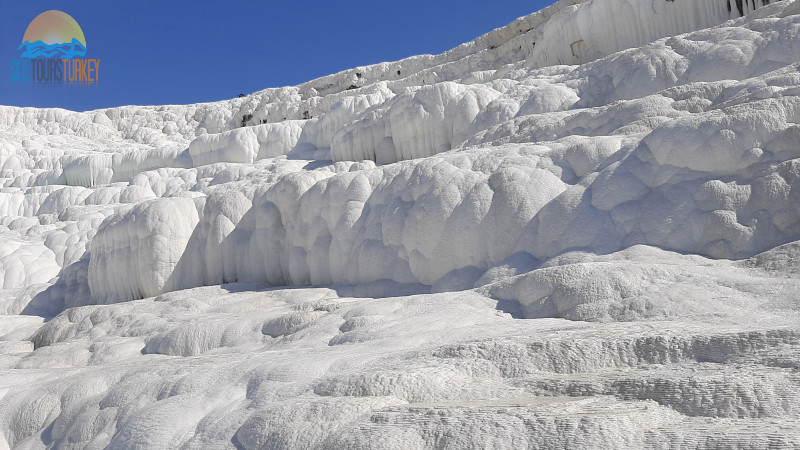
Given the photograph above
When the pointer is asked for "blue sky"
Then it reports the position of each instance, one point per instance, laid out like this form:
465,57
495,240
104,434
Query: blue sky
174,52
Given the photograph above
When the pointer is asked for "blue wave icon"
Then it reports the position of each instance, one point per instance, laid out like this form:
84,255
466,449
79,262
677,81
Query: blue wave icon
39,49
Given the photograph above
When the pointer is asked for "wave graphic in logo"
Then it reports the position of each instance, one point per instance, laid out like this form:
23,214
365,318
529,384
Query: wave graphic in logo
53,34
39,49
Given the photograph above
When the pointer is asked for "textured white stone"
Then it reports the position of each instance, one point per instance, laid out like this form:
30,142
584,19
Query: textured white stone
577,231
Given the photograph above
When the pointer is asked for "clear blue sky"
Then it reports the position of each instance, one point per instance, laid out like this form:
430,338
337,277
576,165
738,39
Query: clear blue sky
176,51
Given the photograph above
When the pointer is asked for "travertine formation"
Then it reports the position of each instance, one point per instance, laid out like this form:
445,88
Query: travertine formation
577,231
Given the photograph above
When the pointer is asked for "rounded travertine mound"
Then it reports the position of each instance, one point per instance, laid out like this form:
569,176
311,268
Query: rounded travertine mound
134,253
24,262
246,145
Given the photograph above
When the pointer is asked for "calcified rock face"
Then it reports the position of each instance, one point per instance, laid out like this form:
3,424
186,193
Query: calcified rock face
578,231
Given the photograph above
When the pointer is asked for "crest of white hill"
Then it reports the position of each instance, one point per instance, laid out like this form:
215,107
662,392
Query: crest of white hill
540,138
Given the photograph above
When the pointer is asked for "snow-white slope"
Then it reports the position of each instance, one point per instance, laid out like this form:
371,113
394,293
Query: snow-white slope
459,237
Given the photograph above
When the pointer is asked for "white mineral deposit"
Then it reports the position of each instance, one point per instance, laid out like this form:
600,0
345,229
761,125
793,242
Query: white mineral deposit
578,231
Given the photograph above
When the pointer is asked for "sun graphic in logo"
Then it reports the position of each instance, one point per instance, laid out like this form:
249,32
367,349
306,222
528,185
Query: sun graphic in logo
53,34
